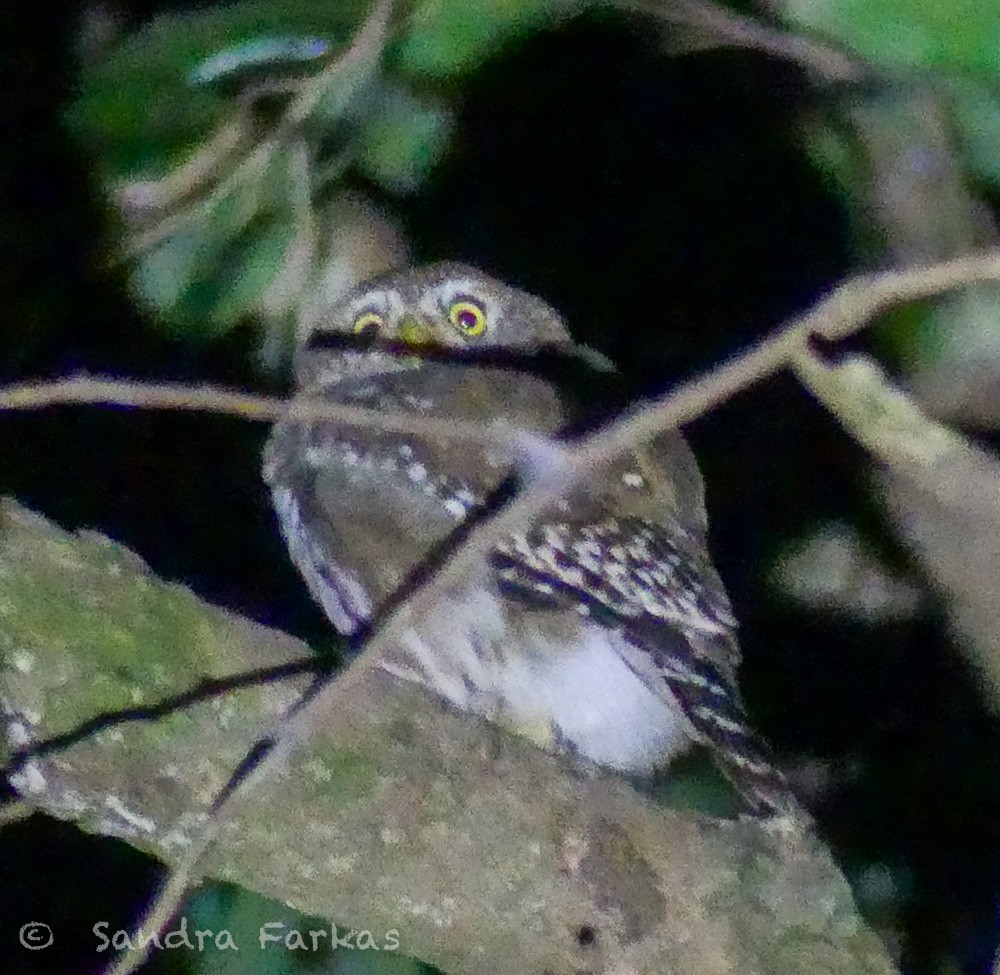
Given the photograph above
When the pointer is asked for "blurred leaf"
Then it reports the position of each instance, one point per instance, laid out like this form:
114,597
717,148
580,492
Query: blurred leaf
249,268
953,363
837,153
961,36
200,285
218,230
402,139
252,57
226,907
164,275
170,272
955,332
976,113
243,913
445,37
137,110
916,193
835,570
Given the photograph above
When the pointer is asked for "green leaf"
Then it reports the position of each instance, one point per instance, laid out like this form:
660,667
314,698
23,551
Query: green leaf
402,139
976,113
958,37
446,37
260,55
247,270
138,111
244,914
201,285
838,154
165,274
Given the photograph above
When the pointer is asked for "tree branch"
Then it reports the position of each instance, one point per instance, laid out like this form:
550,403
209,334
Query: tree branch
942,492
479,849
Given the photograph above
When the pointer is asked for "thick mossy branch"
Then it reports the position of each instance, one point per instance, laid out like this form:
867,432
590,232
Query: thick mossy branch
482,851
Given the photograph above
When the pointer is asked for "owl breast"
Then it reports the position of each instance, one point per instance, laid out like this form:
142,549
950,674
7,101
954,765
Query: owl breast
564,683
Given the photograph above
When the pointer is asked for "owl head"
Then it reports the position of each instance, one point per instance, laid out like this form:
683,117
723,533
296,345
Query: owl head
448,305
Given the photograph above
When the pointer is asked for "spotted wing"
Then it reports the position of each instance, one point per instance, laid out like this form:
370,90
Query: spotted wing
652,580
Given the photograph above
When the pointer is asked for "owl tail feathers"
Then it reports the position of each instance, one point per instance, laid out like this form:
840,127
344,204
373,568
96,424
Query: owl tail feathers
744,759
718,721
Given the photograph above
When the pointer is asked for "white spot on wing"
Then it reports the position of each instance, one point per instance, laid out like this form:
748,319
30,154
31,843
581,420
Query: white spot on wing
455,507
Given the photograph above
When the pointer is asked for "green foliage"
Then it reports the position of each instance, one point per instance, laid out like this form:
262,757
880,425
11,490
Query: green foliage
239,124
222,907
404,136
137,110
957,37
901,154
447,37
234,125
204,276
976,115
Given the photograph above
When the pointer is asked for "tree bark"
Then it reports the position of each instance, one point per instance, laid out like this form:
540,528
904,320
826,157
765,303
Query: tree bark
481,851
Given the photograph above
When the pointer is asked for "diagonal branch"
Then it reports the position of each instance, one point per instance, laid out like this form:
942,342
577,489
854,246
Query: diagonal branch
714,25
942,491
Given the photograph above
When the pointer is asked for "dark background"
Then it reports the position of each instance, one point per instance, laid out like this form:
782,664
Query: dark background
665,206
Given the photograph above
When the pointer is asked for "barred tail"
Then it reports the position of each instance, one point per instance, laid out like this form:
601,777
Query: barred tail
711,703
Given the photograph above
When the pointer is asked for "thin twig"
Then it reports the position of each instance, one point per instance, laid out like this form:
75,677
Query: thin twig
847,309
854,304
140,200
203,690
365,49
720,26
201,398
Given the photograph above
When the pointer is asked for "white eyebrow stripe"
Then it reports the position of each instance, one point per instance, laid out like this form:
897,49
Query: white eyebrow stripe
377,301
463,286
429,305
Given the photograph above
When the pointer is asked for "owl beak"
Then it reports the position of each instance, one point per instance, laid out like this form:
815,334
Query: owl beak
413,331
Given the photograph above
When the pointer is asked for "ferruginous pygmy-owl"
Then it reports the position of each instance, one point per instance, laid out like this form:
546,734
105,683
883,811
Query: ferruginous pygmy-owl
603,628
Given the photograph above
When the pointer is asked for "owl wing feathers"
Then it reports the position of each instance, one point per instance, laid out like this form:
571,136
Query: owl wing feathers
359,513
360,509
631,557
648,576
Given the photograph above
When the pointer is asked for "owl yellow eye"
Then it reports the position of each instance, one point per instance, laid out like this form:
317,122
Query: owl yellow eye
368,321
468,318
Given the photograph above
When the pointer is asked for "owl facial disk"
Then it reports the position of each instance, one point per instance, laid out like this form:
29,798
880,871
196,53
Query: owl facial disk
456,310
